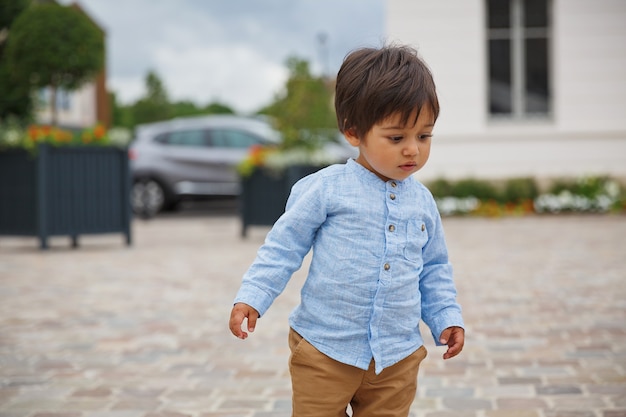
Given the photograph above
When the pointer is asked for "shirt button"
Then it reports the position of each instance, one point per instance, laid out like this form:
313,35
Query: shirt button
392,228
387,267
423,227
394,184
392,196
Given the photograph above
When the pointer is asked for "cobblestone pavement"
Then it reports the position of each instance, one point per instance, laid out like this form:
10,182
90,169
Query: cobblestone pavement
110,331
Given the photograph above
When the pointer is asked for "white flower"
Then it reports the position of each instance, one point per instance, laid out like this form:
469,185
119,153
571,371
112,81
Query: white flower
612,189
454,205
120,136
298,156
12,137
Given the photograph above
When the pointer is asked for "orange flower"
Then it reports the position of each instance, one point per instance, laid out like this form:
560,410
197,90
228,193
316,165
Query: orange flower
32,132
510,206
56,135
63,136
528,206
257,155
99,131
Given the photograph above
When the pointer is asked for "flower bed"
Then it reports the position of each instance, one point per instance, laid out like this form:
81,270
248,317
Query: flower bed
522,197
277,160
14,137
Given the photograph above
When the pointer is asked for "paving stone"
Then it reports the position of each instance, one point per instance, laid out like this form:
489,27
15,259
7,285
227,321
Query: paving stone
504,391
283,404
618,402
235,404
450,392
423,404
31,405
558,413
576,403
520,404
512,413
137,404
95,392
449,414
557,390
57,415
74,404
466,404
519,381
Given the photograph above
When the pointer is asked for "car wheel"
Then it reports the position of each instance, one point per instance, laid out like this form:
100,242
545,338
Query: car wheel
147,197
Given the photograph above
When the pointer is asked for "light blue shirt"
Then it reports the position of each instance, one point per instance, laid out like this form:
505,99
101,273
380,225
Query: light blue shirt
379,266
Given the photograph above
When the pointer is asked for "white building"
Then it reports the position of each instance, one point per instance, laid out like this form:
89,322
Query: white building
527,88
76,109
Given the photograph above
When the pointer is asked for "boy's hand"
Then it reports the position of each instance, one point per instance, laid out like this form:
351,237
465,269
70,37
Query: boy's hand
454,337
239,312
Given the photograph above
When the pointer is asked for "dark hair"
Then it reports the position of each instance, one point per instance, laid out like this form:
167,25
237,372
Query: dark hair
372,84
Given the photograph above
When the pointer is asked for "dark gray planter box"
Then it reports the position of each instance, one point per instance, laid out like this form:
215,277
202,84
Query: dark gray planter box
264,195
65,191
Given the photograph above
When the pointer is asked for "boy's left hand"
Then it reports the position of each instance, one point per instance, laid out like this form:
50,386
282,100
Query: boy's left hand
454,337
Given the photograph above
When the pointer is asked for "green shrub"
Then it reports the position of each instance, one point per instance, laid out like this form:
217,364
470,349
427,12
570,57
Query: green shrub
562,184
588,187
517,190
440,188
470,187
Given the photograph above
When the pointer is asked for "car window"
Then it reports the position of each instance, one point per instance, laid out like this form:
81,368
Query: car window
225,138
183,138
162,138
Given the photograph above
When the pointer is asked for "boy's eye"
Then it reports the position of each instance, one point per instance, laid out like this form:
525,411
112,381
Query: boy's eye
425,137
395,138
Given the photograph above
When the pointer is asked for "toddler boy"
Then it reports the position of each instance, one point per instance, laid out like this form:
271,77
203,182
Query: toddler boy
380,262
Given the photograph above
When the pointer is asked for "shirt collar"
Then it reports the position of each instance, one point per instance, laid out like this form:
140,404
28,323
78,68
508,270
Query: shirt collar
369,177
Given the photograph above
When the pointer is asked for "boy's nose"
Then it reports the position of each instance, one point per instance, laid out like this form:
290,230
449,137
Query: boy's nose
411,149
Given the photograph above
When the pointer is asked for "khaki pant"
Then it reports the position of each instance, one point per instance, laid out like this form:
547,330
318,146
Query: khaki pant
323,387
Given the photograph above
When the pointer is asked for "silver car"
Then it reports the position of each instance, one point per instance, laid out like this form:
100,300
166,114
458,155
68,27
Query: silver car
191,157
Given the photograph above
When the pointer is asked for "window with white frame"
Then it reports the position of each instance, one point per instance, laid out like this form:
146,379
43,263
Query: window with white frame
519,62
63,100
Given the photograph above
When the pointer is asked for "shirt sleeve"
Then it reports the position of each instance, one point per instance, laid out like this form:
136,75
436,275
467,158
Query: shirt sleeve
440,309
285,246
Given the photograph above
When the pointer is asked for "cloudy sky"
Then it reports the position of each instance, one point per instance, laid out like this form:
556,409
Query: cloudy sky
232,51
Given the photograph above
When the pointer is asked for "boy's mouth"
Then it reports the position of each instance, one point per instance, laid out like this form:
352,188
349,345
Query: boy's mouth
408,166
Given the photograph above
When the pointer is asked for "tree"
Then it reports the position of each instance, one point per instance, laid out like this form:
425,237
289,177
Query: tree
121,116
9,10
185,108
54,46
15,97
218,108
303,112
189,108
155,105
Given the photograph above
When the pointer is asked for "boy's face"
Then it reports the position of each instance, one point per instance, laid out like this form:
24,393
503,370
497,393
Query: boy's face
394,150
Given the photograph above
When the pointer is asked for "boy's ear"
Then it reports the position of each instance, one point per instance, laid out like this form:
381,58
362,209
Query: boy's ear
351,137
